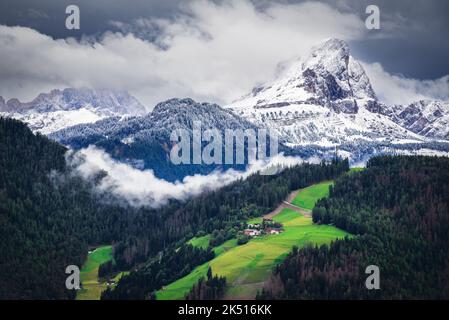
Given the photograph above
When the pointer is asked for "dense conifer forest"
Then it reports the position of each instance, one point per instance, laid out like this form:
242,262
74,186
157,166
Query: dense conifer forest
49,216
398,208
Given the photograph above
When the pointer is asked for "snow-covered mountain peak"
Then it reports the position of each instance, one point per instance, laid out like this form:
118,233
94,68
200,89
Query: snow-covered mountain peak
177,113
332,56
324,98
114,101
167,116
329,77
57,109
179,105
333,44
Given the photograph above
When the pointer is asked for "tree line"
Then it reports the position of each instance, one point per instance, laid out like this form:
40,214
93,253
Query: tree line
209,288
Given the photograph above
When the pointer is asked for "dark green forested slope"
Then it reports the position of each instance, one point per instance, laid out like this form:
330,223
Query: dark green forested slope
49,216
28,212
399,207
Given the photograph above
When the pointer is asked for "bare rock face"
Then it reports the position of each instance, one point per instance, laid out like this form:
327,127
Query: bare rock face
426,118
328,77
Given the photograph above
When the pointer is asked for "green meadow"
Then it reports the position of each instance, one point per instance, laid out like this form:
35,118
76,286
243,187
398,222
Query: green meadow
246,267
308,197
200,242
179,288
91,287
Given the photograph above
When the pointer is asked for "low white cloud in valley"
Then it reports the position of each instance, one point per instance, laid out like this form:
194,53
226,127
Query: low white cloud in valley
143,188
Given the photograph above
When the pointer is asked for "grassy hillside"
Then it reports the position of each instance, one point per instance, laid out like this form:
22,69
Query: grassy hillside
89,274
200,242
246,267
308,197
178,289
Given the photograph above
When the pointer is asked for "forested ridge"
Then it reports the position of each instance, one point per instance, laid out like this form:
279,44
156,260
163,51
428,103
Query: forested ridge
49,216
399,209
33,233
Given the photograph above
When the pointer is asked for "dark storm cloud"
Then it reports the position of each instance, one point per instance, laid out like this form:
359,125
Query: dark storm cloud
95,14
418,43
418,47
208,52
215,50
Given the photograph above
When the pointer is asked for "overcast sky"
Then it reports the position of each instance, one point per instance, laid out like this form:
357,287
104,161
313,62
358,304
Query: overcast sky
215,50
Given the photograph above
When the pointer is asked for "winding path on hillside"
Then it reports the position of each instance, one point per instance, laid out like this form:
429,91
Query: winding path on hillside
288,204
